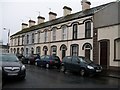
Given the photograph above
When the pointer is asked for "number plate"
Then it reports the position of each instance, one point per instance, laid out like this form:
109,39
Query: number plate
98,70
12,74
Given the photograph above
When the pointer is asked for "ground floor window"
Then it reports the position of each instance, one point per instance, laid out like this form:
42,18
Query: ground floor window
26,51
74,49
53,50
117,49
17,50
32,50
38,50
22,51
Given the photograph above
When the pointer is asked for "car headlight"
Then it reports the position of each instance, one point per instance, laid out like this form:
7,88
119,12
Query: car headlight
23,67
90,67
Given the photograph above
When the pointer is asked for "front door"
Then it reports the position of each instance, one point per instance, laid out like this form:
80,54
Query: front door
103,53
63,53
87,53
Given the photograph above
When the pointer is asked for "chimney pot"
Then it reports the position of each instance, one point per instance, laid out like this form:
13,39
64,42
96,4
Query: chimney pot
40,19
67,10
24,25
52,15
85,4
31,23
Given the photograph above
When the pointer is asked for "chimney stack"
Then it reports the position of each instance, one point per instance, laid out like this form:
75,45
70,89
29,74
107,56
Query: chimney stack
24,25
52,15
31,23
85,4
66,10
40,19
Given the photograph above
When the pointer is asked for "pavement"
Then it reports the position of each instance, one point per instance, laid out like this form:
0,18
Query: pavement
110,73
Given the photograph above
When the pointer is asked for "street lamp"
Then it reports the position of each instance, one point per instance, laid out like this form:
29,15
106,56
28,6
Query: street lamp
8,37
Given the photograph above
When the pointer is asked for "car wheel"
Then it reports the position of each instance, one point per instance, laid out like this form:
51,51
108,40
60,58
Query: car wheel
63,68
47,65
82,72
36,64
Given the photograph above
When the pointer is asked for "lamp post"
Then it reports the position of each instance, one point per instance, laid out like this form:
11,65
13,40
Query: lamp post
8,37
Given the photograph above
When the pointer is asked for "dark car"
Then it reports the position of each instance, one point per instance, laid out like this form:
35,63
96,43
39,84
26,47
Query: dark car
32,58
11,66
49,61
22,58
80,64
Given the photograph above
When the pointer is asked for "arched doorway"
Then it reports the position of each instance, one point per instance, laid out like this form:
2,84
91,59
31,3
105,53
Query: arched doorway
63,49
32,50
22,51
87,47
45,49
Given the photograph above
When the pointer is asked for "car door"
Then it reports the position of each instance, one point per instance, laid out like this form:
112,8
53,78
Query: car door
42,60
75,64
68,63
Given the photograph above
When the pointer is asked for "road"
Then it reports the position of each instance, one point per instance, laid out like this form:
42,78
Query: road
51,78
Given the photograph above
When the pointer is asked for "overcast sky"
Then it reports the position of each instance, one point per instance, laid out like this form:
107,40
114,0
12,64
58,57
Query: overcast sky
14,12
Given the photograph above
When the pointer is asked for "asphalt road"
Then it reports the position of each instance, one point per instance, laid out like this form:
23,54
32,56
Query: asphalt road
44,78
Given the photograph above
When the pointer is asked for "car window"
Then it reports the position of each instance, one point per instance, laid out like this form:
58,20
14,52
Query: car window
75,60
42,57
85,60
56,58
9,58
68,59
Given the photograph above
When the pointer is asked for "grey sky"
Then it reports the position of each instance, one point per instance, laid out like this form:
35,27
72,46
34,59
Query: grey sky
14,12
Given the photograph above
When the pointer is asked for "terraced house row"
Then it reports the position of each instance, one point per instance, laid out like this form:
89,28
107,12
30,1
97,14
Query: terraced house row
91,32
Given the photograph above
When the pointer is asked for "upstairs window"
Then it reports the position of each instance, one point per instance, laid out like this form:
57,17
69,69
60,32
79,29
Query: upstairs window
54,34
22,39
88,29
18,40
64,32
38,37
27,39
33,37
75,29
15,41
45,38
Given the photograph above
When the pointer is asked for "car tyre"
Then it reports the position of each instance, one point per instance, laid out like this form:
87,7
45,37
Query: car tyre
82,72
63,68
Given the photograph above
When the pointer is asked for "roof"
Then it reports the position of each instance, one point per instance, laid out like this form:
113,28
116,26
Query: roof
77,15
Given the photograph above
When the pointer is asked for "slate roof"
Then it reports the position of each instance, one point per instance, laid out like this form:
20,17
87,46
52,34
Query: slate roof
70,17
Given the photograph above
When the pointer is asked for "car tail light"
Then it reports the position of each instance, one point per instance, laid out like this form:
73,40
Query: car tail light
51,62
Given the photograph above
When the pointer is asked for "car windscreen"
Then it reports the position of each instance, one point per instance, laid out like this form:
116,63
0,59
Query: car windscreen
55,58
8,58
85,60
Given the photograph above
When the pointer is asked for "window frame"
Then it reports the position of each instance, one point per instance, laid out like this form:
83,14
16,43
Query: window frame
75,31
87,29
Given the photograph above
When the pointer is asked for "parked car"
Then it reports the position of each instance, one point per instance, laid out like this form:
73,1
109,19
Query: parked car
11,66
22,58
49,61
32,58
80,64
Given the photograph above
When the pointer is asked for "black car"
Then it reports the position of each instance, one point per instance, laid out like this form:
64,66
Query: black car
11,66
80,64
49,61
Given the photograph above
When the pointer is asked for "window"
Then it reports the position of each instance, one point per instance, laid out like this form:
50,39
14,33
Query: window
22,51
22,39
45,36
26,51
117,49
32,50
38,50
11,50
74,49
14,50
33,37
17,50
18,40
38,37
88,29
64,32
75,28
27,39
15,41
54,33
54,50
